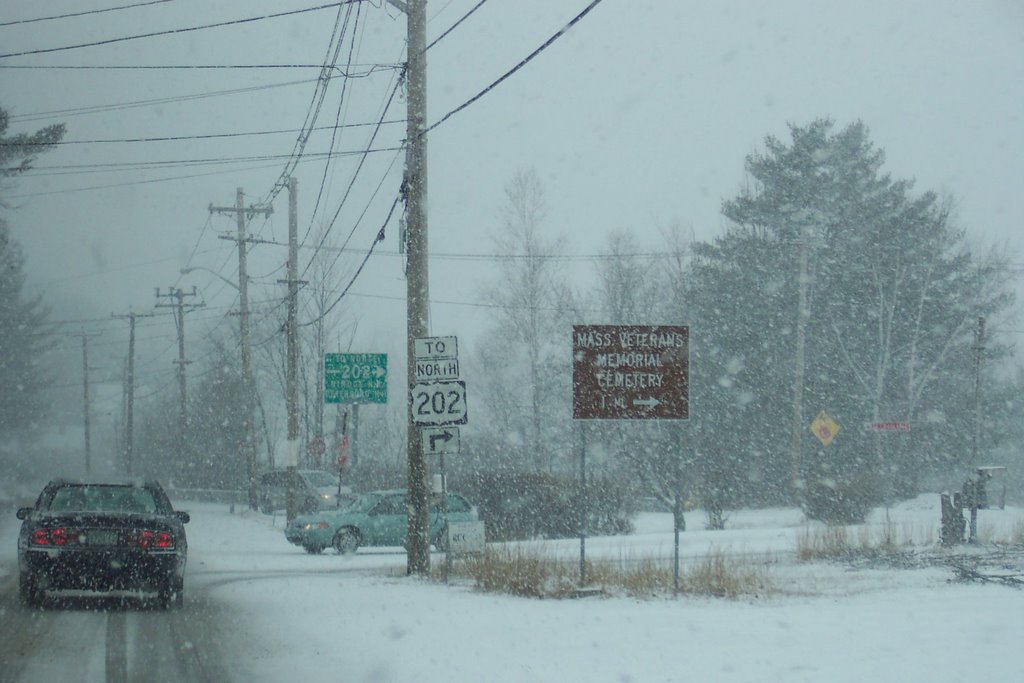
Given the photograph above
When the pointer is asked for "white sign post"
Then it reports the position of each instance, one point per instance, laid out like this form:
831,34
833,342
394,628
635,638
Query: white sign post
466,538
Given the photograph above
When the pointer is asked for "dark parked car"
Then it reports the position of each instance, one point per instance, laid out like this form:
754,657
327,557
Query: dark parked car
315,490
102,537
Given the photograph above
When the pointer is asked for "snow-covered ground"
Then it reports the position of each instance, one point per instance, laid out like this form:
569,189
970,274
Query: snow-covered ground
358,618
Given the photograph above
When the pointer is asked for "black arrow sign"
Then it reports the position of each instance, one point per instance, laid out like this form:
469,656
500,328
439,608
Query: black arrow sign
445,436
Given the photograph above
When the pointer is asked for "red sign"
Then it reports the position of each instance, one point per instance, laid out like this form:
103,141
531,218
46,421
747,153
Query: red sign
890,426
630,372
342,452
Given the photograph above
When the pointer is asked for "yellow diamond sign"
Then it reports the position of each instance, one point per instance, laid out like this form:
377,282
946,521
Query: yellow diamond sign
825,428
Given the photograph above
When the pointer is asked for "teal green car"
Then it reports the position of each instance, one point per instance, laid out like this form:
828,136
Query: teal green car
377,518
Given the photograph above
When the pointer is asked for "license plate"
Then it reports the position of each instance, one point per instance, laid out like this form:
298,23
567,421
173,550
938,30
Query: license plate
101,537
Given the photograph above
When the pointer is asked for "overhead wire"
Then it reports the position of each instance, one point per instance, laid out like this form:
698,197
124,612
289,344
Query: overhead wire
315,105
576,19
371,68
188,29
342,102
113,167
455,25
70,15
369,252
355,175
119,106
526,60
351,184
211,136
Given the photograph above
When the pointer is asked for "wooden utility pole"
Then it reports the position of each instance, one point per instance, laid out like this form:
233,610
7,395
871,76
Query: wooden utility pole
85,397
977,482
803,313
979,349
249,383
176,297
418,294
130,390
292,376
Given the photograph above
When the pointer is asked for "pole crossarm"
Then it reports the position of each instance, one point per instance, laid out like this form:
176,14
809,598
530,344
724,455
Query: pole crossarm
211,271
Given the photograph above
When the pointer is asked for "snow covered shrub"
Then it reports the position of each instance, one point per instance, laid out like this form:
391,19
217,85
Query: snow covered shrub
839,500
518,505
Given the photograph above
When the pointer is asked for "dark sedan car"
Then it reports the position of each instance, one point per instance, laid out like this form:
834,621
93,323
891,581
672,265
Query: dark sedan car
102,537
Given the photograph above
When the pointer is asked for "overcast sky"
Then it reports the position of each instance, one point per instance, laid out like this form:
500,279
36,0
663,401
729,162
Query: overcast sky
637,118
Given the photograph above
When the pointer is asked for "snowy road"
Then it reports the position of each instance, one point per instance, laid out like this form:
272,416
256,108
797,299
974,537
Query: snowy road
107,639
259,610
78,636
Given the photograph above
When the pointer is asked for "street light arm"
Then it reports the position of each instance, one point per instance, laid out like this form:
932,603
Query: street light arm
186,271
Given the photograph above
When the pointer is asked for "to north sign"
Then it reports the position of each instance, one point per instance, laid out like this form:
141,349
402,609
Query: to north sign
425,348
429,370
630,372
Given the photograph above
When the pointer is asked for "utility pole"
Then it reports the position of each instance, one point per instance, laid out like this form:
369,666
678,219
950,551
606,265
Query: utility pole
798,375
976,480
177,296
291,375
130,389
979,349
85,392
418,294
249,384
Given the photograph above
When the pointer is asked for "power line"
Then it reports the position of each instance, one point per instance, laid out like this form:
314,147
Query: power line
138,182
82,14
315,104
118,106
188,29
110,167
212,136
328,168
547,43
348,189
453,26
369,252
144,67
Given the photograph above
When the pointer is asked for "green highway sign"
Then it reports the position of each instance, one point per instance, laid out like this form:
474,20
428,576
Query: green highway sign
355,378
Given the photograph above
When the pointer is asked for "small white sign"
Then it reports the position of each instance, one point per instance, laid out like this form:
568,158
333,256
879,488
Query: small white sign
426,348
466,538
439,368
437,440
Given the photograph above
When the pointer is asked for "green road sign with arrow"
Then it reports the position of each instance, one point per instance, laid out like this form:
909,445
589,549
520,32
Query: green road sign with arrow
355,378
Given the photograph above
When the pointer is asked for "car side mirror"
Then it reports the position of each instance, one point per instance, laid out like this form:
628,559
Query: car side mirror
24,513
182,516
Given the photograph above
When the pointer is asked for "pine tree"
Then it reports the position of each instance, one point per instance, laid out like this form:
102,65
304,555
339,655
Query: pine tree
23,337
23,328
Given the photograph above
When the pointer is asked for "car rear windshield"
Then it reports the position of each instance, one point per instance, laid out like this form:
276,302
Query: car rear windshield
321,479
102,498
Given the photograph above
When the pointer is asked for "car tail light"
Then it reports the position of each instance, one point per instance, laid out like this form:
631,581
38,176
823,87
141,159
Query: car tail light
156,540
56,536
